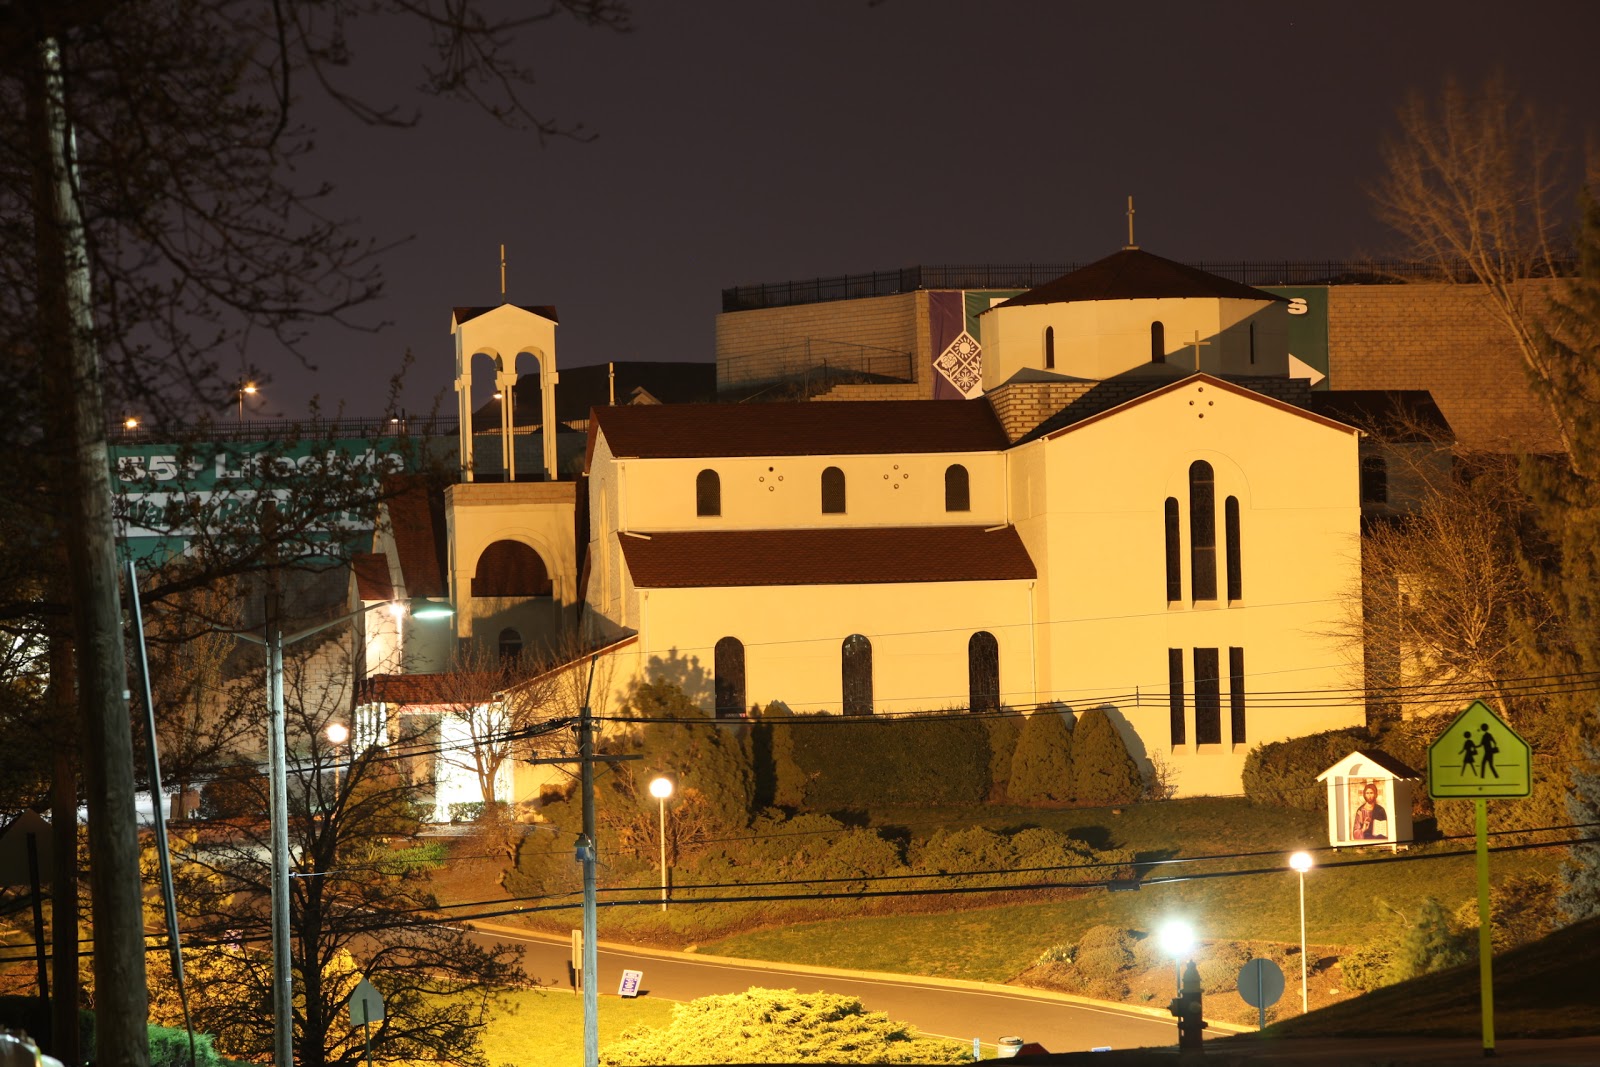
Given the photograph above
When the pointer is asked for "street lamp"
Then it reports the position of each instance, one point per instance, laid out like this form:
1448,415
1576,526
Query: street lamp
338,733
1177,938
1301,863
244,387
278,814
661,789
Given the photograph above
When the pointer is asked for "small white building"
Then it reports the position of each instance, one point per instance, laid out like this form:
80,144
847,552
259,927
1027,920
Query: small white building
1369,800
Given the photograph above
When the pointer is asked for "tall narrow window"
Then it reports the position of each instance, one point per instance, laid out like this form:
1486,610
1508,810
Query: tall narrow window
1374,480
1252,344
1202,531
707,493
1158,342
728,662
1174,552
957,491
1230,533
1236,726
833,491
510,647
1049,348
983,672
856,658
1175,701
1207,698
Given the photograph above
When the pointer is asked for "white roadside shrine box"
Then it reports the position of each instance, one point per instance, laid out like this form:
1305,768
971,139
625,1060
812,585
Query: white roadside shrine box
1369,800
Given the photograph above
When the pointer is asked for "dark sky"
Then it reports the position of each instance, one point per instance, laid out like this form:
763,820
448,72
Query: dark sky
741,141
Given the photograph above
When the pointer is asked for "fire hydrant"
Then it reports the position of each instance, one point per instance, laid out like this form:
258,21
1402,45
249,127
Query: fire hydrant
1186,1006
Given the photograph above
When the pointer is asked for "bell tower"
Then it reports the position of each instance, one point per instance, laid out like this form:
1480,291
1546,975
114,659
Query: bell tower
506,334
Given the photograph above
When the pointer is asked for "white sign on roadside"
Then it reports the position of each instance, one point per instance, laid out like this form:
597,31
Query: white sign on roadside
630,983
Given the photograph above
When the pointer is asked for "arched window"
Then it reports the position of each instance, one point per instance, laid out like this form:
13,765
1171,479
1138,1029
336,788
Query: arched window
1202,531
1158,342
957,491
983,672
1049,348
707,493
729,666
833,491
1374,480
1230,534
510,568
856,659
510,647
1174,551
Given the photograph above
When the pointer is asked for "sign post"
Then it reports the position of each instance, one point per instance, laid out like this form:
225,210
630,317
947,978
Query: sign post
1260,986
1479,757
366,1008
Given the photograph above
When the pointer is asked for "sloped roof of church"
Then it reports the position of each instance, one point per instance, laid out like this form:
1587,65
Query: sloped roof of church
865,427
838,556
416,518
1134,274
372,576
1073,418
467,314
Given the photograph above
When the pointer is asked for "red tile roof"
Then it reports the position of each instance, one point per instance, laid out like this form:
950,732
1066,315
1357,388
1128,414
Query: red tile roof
1133,274
428,689
799,429
843,556
372,576
416,517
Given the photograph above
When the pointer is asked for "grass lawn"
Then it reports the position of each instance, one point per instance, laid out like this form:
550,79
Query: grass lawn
547,1028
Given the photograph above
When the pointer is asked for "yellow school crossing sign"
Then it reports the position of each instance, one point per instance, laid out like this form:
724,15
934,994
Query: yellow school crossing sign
1479,757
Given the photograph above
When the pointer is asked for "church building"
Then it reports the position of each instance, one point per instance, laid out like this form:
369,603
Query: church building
1139,511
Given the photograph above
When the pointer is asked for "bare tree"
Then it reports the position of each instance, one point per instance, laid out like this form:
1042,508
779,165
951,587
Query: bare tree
1473,183
149,213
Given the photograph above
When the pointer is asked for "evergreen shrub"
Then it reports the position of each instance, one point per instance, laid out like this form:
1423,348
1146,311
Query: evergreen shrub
1284,773
854,763
1041,768
170,1048
1004,729
779,780
1102,771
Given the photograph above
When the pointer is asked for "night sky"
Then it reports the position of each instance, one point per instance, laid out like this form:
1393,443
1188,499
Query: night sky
739,142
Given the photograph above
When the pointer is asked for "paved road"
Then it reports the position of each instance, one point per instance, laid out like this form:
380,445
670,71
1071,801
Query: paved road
960,1010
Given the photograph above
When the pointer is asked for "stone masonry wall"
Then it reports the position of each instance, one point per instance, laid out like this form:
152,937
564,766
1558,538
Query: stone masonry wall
1447,340
878,335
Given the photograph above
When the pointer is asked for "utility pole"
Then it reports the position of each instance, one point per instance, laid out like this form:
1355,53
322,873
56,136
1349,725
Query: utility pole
586,855
278,792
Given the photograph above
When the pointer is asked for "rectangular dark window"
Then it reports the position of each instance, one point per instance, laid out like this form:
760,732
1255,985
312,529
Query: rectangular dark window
1175,700
1230,525
1207,698
1236,695
1174,552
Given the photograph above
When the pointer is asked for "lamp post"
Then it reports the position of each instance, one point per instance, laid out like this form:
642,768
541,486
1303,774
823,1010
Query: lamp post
244,387
1177,938
338,733
661,789
275,642
1301,863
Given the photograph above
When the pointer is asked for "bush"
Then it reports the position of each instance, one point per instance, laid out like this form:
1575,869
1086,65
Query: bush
170,1048
1041,768
1430,942
1102,770
239,791
1284,773
1367,968
850,764
466,811
1525,907
779,780
1002,733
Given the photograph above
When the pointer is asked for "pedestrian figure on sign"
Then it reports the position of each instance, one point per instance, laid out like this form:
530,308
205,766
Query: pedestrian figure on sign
1469,754
1488,746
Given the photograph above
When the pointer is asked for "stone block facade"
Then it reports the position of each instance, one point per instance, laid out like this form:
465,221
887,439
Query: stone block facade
884,336
1448,340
